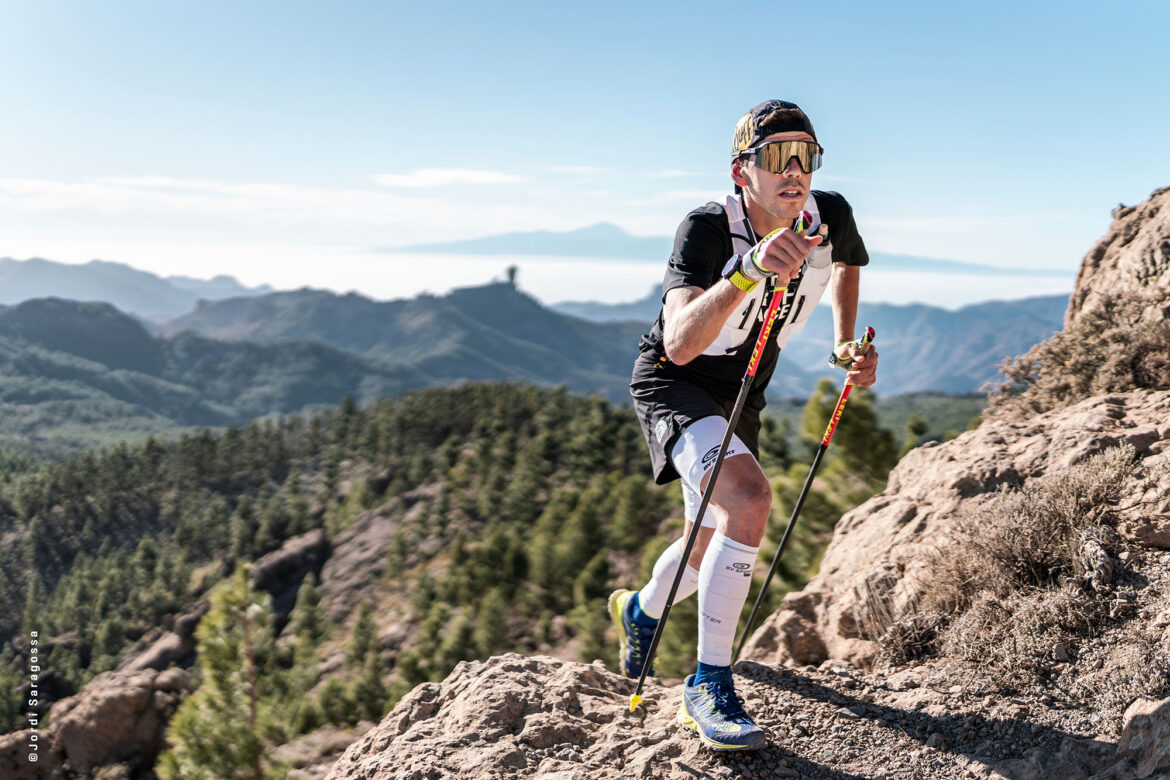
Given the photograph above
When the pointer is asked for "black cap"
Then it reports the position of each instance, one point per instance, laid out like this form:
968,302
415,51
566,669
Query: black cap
771,116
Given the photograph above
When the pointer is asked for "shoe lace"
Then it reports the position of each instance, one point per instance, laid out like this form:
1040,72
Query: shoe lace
642,636
726,701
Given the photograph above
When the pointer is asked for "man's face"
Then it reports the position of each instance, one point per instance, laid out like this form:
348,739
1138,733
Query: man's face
780,194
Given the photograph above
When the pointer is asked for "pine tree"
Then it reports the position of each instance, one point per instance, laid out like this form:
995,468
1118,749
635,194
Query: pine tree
363,642
491,624
916,427
368,692
307,617
335,704
591,582
217,731
244,526
458,645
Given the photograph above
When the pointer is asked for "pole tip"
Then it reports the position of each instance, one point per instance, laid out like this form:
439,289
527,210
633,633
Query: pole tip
635,700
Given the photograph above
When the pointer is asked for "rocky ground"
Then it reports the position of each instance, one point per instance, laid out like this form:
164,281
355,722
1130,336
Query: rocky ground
514,716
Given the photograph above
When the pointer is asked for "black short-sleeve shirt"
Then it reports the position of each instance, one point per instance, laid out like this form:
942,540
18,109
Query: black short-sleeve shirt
702,247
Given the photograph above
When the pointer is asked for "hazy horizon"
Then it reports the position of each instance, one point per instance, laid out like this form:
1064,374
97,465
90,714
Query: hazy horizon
625,281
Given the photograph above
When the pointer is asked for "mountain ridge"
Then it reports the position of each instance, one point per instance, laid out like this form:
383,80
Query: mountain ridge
129,289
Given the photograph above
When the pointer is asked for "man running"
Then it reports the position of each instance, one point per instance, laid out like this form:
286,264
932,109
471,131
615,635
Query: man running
727,259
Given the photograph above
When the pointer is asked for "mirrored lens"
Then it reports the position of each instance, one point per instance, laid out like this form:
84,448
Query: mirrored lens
774,157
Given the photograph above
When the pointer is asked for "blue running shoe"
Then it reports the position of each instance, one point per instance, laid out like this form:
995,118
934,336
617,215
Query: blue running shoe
634,639
714,711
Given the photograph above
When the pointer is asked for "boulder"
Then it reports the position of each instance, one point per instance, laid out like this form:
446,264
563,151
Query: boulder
1145,738
118,717
281,571
15,754
516,716
158,649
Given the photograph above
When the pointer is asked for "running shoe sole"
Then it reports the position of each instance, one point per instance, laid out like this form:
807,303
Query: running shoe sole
617,605
685,719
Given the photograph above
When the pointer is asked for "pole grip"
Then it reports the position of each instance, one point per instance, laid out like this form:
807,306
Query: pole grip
800,225
835,417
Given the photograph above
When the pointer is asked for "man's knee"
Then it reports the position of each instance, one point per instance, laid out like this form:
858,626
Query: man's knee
743,494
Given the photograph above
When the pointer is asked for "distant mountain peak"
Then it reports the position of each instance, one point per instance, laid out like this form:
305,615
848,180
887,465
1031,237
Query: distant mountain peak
601,239
129,289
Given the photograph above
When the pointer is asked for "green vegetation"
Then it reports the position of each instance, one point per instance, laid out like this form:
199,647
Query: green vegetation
945,416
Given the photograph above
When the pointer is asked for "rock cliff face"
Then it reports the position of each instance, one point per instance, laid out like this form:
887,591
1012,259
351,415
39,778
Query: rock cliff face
884,540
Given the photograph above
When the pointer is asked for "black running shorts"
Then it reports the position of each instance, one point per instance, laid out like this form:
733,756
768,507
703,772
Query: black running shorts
666,405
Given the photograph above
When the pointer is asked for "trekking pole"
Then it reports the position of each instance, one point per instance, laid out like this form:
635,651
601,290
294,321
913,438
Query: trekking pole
833,420
800,225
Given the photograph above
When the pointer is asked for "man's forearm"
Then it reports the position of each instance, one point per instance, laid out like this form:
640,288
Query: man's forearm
846,283
693,318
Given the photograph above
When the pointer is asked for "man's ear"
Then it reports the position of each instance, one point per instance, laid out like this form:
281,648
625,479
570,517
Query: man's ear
737,176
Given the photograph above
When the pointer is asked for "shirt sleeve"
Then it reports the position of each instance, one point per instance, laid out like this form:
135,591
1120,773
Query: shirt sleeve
848,248
698,255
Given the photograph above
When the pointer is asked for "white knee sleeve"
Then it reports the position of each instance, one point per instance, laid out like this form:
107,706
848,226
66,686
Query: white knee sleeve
694,455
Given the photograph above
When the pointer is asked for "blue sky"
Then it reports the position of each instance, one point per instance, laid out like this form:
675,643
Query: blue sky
285,142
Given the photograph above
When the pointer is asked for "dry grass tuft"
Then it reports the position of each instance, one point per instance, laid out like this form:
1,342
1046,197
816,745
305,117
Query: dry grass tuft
910,638
1138,667
1015,640
1107,350
1006,587
1030,537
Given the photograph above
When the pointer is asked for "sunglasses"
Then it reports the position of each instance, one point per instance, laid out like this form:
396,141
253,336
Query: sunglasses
774,157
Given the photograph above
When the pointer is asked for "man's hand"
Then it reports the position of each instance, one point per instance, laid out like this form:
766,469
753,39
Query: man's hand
780,253
861,364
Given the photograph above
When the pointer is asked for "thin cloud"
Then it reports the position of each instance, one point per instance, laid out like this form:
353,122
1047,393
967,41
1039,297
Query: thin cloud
579,170
677,196
442,177
167,207
671,173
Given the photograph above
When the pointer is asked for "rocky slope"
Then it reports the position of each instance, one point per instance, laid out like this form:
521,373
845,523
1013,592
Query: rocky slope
886,539
514,716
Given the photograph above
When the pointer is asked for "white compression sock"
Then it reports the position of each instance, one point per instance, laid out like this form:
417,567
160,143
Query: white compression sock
652,598
724,580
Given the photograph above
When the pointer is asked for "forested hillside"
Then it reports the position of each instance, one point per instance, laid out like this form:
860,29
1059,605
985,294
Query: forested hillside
455,523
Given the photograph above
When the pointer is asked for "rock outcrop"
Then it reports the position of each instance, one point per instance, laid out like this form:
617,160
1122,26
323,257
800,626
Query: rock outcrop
159,648
119,717
1133,257
881,544
281,571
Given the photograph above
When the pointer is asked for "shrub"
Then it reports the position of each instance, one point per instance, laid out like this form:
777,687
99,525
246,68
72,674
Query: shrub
1106,350
1002,588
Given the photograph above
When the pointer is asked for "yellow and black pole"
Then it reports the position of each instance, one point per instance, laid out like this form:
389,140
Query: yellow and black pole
863,342
800,225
